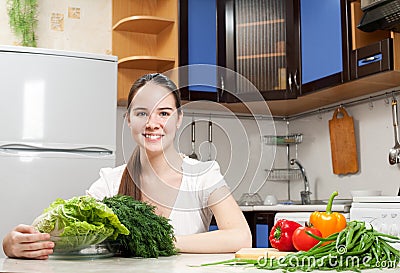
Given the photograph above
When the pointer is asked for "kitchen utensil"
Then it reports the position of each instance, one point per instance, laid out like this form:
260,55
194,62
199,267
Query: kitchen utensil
193,154
394,152
255,253
250,199
270,200
209,138
343,143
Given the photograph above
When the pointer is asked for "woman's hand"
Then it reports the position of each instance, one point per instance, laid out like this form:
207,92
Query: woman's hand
26,242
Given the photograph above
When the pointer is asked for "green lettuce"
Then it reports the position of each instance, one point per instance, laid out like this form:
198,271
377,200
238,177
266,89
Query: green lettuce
79,222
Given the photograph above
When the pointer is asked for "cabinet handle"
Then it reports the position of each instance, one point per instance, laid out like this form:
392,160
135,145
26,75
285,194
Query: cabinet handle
222,86
290,82
371,59
295,80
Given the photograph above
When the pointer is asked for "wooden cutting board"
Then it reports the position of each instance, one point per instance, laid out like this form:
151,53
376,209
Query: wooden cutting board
343,143
255,253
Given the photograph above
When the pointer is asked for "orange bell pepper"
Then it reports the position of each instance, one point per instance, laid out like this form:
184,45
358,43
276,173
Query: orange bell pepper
328,222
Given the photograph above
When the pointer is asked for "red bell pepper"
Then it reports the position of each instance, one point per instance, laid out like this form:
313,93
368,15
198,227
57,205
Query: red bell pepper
281,235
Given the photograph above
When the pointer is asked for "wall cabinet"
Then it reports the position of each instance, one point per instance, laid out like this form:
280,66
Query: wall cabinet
198,45
257,40
296,52
285,48
324,44
145,39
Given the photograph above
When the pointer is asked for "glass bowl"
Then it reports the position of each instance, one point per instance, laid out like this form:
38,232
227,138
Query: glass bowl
250,199
63,244
97,251
82,247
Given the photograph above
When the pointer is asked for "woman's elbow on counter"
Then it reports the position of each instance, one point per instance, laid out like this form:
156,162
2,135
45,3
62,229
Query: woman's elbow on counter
243,240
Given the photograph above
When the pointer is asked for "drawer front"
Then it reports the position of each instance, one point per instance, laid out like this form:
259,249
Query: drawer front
372,59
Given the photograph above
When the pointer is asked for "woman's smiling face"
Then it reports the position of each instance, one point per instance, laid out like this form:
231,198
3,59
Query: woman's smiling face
153,118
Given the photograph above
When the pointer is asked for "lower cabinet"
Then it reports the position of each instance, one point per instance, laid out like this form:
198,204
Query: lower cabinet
213,224
260,224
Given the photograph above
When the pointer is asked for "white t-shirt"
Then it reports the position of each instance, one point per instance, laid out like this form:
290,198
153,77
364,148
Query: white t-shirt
190,213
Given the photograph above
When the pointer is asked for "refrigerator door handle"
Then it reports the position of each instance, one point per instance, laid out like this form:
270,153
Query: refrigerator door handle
32,148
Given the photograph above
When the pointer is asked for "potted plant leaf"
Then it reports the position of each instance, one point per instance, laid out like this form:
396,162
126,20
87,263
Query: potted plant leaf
23,20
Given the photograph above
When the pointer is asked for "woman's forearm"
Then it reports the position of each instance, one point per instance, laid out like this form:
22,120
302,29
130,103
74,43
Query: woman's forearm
218,241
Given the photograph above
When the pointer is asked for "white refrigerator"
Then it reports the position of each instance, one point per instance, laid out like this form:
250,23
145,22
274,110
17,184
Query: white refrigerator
57,127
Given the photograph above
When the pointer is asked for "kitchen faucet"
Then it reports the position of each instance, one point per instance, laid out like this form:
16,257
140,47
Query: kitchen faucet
305,195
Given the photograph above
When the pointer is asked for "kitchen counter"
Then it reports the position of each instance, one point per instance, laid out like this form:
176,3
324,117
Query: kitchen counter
297,208
180,263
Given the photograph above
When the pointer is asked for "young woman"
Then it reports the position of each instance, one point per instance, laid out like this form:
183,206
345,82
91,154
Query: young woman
186,191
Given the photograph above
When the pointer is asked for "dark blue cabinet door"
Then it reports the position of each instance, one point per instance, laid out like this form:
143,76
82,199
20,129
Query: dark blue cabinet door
323,43
198,44
262,234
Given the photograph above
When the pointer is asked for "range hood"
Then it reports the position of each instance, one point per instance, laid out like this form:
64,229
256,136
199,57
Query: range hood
381,15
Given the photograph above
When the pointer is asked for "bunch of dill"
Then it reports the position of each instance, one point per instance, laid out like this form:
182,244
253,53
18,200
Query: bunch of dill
150,235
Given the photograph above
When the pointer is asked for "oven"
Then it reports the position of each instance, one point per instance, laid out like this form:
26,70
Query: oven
380,212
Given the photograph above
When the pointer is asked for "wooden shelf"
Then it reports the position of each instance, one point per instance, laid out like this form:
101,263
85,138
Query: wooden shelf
143,24
145,39
259,56
146,63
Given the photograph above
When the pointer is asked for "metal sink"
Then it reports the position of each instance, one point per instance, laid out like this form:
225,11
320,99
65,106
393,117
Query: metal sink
313,202
321,202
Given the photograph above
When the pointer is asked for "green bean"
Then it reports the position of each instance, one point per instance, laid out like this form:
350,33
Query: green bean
362,242
383,235
316,246
232,261
389,247
378,246
349,236
387,251
356,237
338,239
326,247
375,252
327,239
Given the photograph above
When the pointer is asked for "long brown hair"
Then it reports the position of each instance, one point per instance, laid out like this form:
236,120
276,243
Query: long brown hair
131,185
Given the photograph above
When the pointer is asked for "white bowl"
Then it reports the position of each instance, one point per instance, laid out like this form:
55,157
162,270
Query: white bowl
270,200
365,193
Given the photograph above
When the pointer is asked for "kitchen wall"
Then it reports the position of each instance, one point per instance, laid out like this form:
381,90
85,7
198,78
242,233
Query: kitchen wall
239,148
241,153
374,137
73,25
